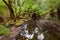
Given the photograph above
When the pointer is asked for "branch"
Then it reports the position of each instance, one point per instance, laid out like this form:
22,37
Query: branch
5,2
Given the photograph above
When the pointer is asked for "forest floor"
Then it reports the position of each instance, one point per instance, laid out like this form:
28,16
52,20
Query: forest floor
51,26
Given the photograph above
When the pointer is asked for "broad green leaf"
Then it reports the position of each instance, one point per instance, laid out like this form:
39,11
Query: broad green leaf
4,10
1,2
4,30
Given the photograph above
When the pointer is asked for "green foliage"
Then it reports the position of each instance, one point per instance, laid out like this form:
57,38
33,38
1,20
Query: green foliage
54,3
1,3
16,6
39,6
47,5
3,8
4,30
27,5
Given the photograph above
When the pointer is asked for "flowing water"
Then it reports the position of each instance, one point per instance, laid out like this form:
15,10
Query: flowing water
31,31
35,31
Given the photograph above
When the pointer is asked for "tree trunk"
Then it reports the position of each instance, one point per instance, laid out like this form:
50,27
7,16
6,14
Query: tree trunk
58,10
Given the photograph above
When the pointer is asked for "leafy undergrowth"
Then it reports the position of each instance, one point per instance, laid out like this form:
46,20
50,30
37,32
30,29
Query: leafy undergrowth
13,10
4,30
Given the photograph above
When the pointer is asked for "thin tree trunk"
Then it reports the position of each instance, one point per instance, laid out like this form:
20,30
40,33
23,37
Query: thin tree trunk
9,5
58,10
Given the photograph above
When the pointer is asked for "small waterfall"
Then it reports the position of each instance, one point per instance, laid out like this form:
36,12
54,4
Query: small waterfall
31,32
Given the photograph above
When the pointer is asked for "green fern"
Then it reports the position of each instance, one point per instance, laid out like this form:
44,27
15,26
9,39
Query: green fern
3,8
4,30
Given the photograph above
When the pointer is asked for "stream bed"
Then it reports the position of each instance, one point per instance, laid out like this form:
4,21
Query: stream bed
35,30
39,30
